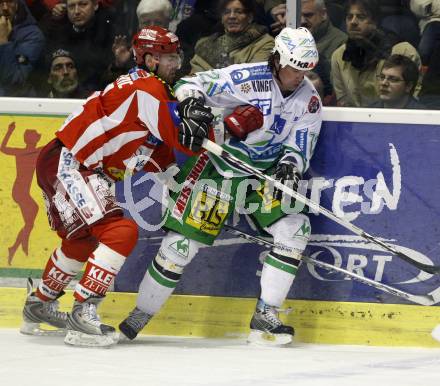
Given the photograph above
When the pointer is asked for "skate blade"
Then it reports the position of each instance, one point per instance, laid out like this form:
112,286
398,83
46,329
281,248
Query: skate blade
81,339
436,333
263,338
28,328
123,339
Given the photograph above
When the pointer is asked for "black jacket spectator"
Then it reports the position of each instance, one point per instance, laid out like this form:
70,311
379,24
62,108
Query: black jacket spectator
91,45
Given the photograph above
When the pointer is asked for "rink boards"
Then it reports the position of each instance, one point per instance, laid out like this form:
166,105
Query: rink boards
379,170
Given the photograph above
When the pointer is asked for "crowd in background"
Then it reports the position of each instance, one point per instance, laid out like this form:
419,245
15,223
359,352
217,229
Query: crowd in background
372,53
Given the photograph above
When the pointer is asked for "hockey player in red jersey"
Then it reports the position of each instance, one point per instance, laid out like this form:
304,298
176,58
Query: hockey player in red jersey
132,125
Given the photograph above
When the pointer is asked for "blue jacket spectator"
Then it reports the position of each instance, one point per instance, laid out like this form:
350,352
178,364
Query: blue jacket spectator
21,45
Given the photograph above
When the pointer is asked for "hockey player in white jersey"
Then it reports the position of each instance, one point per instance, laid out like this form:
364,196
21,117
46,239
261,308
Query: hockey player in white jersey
283,145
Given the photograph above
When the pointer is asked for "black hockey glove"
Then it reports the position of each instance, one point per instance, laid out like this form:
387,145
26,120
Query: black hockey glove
192,134
288,174
193,108
196,119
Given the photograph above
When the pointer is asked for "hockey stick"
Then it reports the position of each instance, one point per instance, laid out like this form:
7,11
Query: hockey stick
222,153
424,300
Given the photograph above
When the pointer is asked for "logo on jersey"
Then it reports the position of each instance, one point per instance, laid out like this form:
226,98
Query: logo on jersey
278,124
313,104
265,105
261,85
216,88
245,87
263,151
185,194
301,139
251,73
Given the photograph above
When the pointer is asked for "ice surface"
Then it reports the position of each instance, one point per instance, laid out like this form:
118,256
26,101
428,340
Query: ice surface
157,361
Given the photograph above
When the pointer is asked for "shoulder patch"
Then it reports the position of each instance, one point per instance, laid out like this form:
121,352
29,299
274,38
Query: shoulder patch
314,104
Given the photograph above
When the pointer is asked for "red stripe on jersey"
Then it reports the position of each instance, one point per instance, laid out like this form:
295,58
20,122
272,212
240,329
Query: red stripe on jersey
113,124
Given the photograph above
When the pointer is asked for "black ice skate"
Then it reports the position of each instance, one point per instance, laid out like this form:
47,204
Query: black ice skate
267,328
84,327
37,312
133,324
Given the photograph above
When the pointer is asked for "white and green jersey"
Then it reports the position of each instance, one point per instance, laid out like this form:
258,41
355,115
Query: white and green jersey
291,125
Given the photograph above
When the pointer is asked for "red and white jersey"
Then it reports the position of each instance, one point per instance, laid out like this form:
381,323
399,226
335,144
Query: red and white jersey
129,124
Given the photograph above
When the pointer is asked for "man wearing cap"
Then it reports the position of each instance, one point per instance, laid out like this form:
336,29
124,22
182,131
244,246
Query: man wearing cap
63,76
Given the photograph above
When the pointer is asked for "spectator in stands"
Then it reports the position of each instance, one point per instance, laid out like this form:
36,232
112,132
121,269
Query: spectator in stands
157,12
336,10
206,19
354,65
63,76
39,8
182,9
278,14
397,18
87,32
21,45
315,18
429,14
396,84
275,11
241,40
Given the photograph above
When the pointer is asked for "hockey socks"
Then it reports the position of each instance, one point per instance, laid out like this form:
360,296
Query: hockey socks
277,277
101,269
158,284
59,272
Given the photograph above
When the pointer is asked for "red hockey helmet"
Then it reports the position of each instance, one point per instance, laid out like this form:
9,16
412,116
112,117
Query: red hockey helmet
154,40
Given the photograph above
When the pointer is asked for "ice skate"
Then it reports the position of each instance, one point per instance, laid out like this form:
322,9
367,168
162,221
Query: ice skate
267,329
133,324
37,312
84,328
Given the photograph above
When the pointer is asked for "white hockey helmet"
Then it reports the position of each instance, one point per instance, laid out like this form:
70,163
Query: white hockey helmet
296,48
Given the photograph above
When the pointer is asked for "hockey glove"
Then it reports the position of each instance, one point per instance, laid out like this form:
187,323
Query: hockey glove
192,134
196,119
243,120
193,108
288,174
